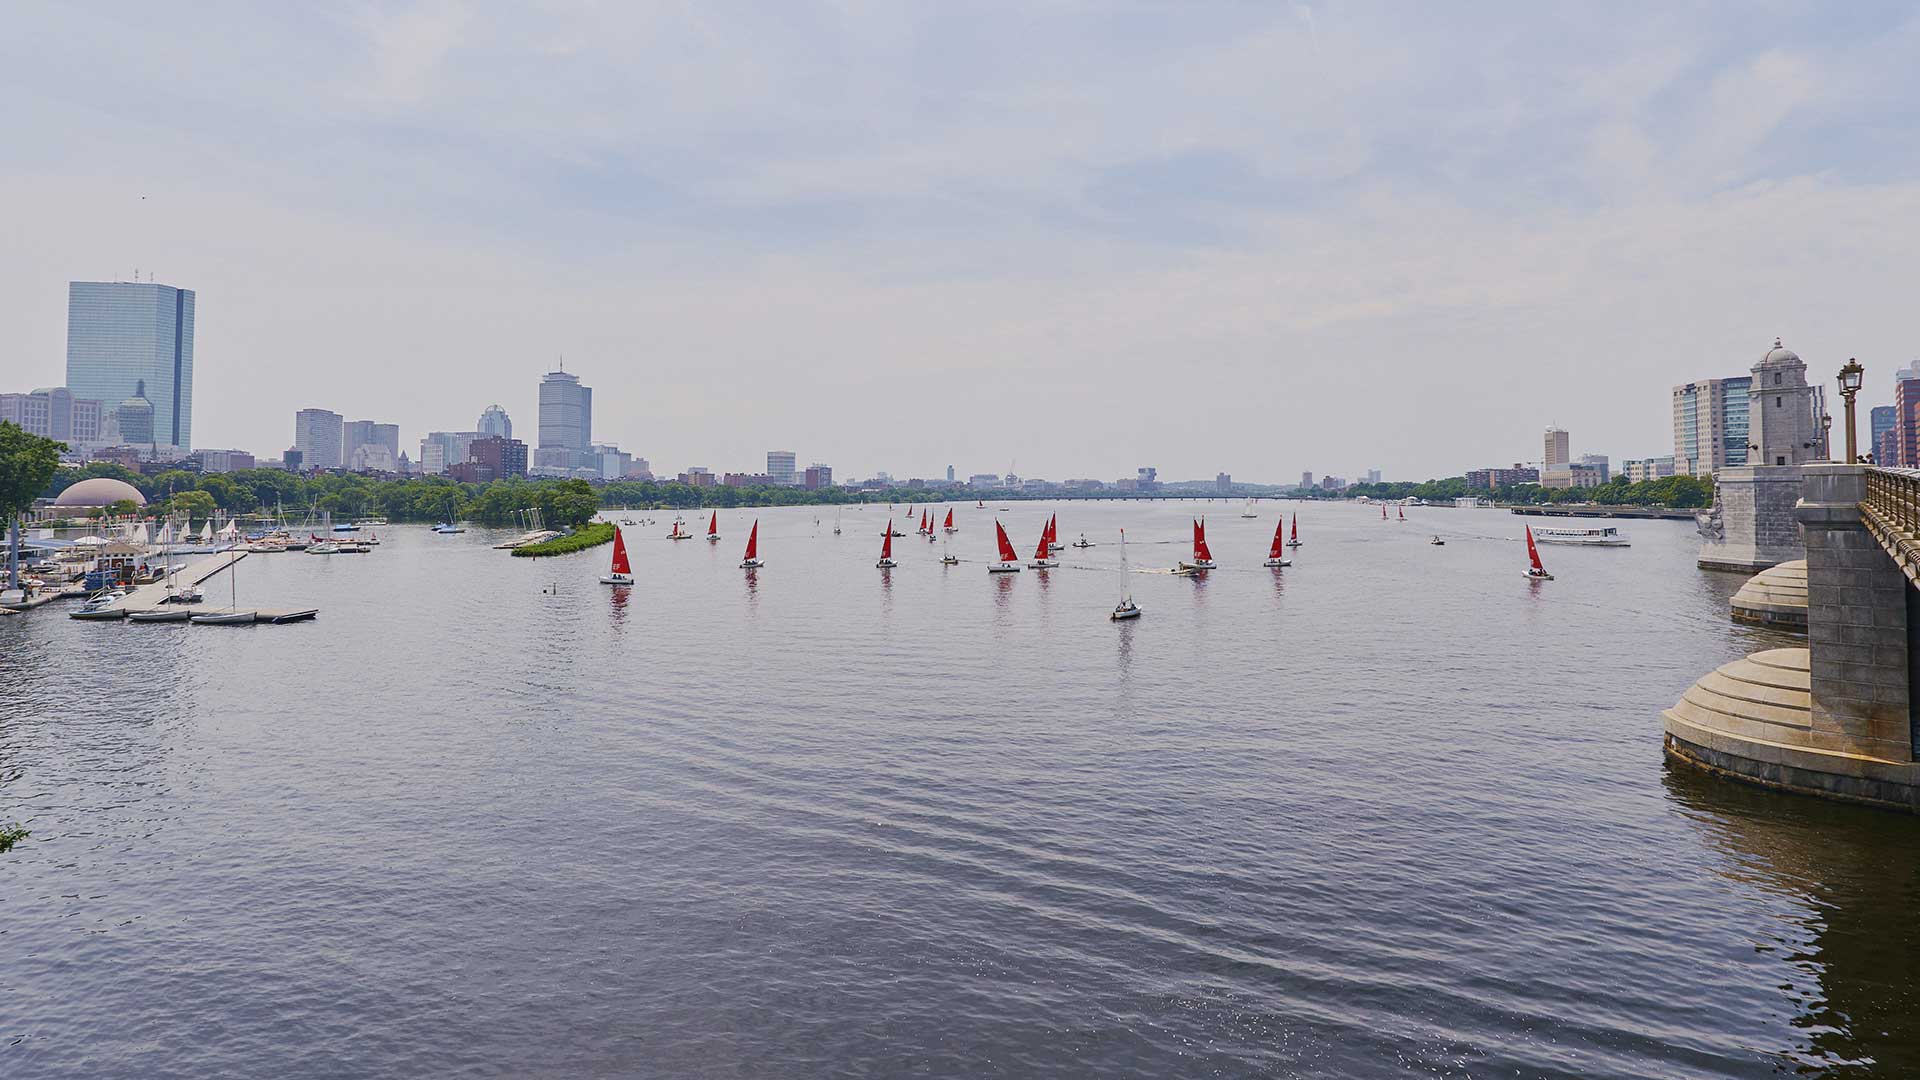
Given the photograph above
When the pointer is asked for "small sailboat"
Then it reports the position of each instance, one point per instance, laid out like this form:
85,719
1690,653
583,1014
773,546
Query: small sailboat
1126,608
752,558
620,573
950,526
1009,559
713,528
1276,552
947,557
836,521
886,549
1537,571
1202,555
1402,511
679,529
1248,512
1083,542
1383,511
978,505
1436,541
925,528
1293,535
1040,559
1053,534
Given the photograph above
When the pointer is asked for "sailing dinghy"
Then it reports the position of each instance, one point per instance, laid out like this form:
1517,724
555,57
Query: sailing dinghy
1009,559
753,548
886,549
1202,555
1536,572
620,573
1276,553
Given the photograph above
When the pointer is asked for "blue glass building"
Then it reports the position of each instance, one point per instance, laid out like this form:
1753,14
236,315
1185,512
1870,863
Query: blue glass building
121,334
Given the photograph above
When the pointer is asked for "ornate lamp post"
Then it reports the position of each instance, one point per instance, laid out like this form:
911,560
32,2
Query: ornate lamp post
1850,377
1826,435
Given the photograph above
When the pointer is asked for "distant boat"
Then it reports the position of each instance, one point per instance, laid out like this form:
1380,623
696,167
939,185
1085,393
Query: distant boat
1401,510
978,505
836,521
1537,572
1009,559
753,548
1436,541
886,549
620,573
947,557
1383,511
950,526
1083,542
1126,608
448,528
1040,560
1202,555
713,528
1248,512
1293,537
925,528
1605,536
1276,553
679,530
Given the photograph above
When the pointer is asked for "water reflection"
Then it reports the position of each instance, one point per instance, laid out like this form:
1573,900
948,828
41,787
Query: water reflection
1853,874
617,604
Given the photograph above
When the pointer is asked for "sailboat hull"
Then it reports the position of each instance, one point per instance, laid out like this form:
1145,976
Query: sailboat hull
1120,614
616,579
1199,564
1537,576
177,614
1004,568
1278,562
751,564
885,564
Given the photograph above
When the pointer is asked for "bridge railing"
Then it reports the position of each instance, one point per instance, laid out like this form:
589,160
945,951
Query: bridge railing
1891,511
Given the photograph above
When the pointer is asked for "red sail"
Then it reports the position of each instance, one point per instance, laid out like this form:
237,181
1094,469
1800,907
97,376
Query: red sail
619,552
1007,554
1403,513
1053,529
1279,541
1296,526
926,521
1383,511
886,546
753,540
1044,537
1200,552
1533,552
713,524
949,517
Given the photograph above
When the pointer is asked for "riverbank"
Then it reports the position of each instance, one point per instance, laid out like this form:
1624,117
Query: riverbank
587,536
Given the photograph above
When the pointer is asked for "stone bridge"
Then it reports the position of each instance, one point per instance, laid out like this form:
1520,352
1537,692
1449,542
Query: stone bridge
1837,718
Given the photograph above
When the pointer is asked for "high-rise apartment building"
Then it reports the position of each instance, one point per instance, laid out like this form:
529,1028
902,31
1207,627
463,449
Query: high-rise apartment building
1223,483
1306,479
1906,417
122,334
1558,450
1710,424
319,434
495,421
54,413
566,418
1637,470
501,457
820,476
780,466
949,474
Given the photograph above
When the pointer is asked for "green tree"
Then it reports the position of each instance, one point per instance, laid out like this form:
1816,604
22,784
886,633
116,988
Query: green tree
192,504
27,464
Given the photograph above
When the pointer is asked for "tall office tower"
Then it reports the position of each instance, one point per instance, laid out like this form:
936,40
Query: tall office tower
383,438
1710,421
780,467
121,334
318,435
1906,417
1781,410
1558,453
1880,433
494,421
566,416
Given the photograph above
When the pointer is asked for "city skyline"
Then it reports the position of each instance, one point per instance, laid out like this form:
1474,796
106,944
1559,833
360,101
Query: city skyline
1248,206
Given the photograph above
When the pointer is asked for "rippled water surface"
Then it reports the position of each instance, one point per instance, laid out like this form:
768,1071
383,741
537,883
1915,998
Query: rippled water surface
1393,810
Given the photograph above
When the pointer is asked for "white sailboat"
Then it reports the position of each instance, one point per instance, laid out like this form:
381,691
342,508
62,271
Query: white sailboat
1248,512
1126,608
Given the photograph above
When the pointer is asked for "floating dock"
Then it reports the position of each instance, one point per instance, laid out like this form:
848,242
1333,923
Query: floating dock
148,598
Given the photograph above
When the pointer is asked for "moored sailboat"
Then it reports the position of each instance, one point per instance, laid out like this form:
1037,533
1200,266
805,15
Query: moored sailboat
1537,571
620,573
1009,559
752,558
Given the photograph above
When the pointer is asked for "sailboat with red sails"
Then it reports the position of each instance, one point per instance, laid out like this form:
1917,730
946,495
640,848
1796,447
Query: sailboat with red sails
1276,552
752,559
621,573
1202,555
1009,559
886,549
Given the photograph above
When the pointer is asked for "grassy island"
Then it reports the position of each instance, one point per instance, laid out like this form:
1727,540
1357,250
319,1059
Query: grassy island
580,539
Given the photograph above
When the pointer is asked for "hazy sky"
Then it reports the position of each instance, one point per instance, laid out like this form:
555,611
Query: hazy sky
1258,237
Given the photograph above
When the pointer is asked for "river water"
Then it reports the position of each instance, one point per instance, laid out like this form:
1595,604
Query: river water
1394,810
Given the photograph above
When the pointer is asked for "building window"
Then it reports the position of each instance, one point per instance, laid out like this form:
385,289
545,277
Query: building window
1776,402
1776,378
1779,461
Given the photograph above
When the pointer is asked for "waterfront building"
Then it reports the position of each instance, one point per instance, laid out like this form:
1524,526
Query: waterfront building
819,477
740,479
1880,429
121,334
319,434
1558,455
495,421
1638,470
220,461
1906,417
55,413
502,457
135,418
780,466
1147,475
1710,422
1493,477
566,419
640,469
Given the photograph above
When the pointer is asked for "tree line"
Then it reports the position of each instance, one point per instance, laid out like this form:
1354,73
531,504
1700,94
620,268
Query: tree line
1678,492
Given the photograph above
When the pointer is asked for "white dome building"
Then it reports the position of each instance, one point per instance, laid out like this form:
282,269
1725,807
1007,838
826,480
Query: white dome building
100,491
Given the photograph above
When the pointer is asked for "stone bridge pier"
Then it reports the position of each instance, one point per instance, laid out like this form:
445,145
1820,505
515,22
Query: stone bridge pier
1838,717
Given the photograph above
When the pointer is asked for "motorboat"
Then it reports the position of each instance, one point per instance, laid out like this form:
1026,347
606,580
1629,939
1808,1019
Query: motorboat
1436,541
1125,609
346,528
1605,536
1083,542
104,604
448,528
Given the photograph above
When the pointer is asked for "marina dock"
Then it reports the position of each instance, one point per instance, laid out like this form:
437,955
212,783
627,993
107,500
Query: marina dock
153,597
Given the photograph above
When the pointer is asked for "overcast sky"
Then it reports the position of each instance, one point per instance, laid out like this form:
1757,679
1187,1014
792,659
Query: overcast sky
1257,237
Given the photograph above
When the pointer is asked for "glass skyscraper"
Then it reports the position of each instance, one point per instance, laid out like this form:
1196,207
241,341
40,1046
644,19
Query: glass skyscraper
566,418
121,334
1710,425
